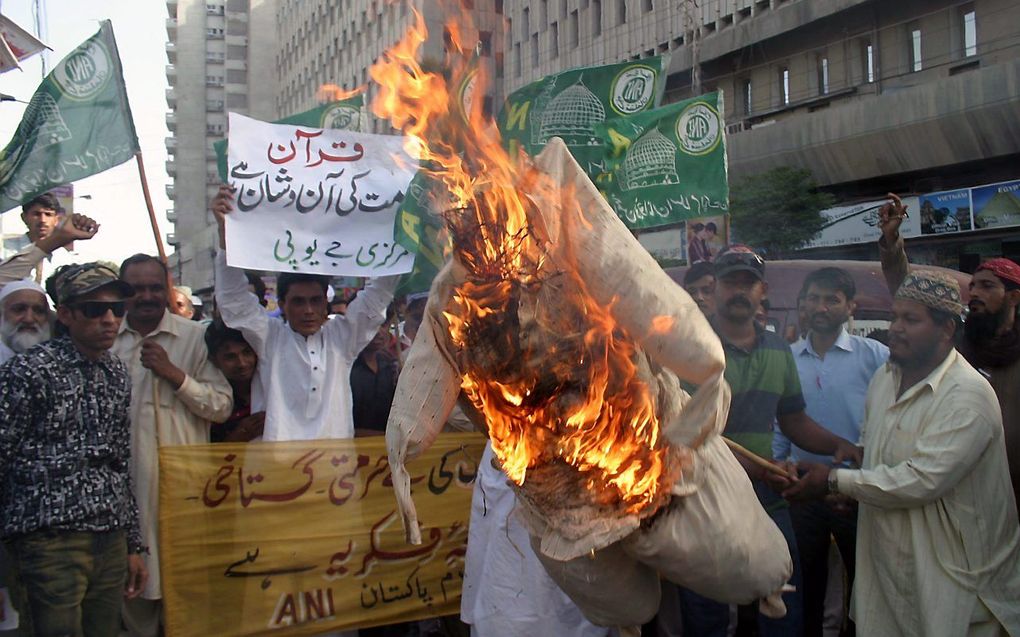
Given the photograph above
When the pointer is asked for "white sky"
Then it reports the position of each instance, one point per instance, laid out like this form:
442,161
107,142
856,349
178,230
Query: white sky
117,202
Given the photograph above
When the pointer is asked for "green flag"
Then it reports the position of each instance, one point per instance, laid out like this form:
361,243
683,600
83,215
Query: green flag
571,104
343,115
77,124
668,164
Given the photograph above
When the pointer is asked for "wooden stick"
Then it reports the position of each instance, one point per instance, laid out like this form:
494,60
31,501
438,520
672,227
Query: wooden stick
758,460
148,204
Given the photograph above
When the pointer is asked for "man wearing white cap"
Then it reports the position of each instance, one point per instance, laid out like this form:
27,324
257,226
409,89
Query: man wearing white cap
24,318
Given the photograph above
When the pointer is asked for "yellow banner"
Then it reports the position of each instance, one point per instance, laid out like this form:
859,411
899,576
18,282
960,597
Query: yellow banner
299,538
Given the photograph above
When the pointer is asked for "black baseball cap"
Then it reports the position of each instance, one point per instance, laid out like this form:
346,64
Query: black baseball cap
738,258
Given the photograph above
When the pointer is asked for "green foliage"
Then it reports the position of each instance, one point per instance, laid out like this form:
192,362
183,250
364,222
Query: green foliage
777,211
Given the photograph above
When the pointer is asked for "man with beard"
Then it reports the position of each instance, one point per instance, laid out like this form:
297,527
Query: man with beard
991,334
834,369
46,232
763,378
176,394
24,318
938,544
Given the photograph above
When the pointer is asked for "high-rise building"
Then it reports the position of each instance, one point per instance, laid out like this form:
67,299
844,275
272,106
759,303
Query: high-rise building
911,96
331,43
220,55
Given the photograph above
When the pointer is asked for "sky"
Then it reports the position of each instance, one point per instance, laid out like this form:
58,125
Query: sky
116,200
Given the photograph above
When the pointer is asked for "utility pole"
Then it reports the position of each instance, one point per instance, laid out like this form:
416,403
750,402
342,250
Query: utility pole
692,26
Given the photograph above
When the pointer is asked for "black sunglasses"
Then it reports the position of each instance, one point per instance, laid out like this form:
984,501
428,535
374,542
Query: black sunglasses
98,309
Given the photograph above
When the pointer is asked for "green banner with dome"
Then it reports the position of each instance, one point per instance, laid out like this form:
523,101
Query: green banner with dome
668,164
571,104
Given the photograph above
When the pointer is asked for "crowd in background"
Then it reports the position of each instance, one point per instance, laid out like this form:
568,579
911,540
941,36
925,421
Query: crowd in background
901,457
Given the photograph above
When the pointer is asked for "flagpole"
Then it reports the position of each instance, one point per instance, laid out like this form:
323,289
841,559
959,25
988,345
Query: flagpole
148,204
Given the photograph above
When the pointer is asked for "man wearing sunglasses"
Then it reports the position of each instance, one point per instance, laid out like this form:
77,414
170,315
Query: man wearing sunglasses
176,394
68,517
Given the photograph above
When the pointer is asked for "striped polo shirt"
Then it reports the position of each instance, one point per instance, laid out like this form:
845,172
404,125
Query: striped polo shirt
765,385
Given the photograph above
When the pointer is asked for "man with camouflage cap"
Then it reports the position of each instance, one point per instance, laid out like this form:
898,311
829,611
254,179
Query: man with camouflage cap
938,541
67,514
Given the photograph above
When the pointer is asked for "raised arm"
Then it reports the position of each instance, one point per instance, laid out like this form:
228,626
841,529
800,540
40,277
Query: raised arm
239,308
73,228
890,245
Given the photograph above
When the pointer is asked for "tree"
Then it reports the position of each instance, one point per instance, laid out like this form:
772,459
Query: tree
779,210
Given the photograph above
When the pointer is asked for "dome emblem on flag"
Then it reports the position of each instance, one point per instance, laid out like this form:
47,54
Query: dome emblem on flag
572,115
650,161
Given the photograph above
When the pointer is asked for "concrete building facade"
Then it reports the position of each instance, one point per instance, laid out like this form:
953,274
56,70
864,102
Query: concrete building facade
911,96
219,52
325,43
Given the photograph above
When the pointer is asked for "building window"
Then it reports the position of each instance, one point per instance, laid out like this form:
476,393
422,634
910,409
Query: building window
534,50
575,34
621,11
823,75
527,24
517,59
485,42
543,15
554,36
784,86
867,61
915,49
647,5
745,92
969,31
596,17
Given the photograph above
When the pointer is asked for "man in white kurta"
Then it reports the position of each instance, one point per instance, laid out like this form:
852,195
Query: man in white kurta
938,543
507,592
175,393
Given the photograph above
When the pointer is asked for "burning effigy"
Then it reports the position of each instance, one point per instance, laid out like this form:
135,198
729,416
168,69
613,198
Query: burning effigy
597,379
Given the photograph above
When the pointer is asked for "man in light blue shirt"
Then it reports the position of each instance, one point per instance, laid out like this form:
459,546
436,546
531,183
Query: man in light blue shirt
835,369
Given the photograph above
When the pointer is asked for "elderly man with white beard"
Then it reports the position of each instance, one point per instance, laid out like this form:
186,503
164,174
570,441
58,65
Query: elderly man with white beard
25,318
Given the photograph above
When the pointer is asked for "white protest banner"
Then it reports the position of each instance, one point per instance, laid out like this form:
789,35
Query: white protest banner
314,200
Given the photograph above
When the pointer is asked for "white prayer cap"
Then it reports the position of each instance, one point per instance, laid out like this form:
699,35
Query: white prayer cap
16,286
330,294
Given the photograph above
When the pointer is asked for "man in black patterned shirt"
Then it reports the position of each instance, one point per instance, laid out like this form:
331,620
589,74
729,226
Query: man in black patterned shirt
67,514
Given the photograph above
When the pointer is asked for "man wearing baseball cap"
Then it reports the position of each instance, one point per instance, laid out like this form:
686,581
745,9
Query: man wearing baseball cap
937,551
991,333
763,378
67,514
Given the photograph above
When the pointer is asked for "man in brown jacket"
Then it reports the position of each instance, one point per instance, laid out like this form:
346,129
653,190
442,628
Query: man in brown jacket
991,335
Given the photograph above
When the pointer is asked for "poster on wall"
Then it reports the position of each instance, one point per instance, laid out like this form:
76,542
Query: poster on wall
858,223
996,205
945,212
706,237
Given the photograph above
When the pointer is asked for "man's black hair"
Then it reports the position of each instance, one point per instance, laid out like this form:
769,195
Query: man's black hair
698,270
46,200
140,258
711,226
831,278
256,281
218,334
288,279
698,227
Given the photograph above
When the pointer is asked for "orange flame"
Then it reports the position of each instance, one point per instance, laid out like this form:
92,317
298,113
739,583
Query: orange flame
565,388
333,93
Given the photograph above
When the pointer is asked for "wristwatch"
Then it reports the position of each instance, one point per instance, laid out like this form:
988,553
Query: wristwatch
833,481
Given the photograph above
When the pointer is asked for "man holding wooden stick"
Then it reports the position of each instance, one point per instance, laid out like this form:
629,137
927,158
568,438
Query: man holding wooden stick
763,377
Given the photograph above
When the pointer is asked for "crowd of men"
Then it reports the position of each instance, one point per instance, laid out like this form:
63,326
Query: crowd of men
906,456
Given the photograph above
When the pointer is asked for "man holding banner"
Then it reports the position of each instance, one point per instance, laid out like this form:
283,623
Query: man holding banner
305,362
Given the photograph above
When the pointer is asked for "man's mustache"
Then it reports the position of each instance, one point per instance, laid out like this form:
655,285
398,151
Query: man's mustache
739,300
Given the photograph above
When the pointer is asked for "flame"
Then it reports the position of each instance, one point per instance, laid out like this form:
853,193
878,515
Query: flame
559,383
333,93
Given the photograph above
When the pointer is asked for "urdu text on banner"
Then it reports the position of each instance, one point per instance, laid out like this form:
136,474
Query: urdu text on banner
313,200
303,537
